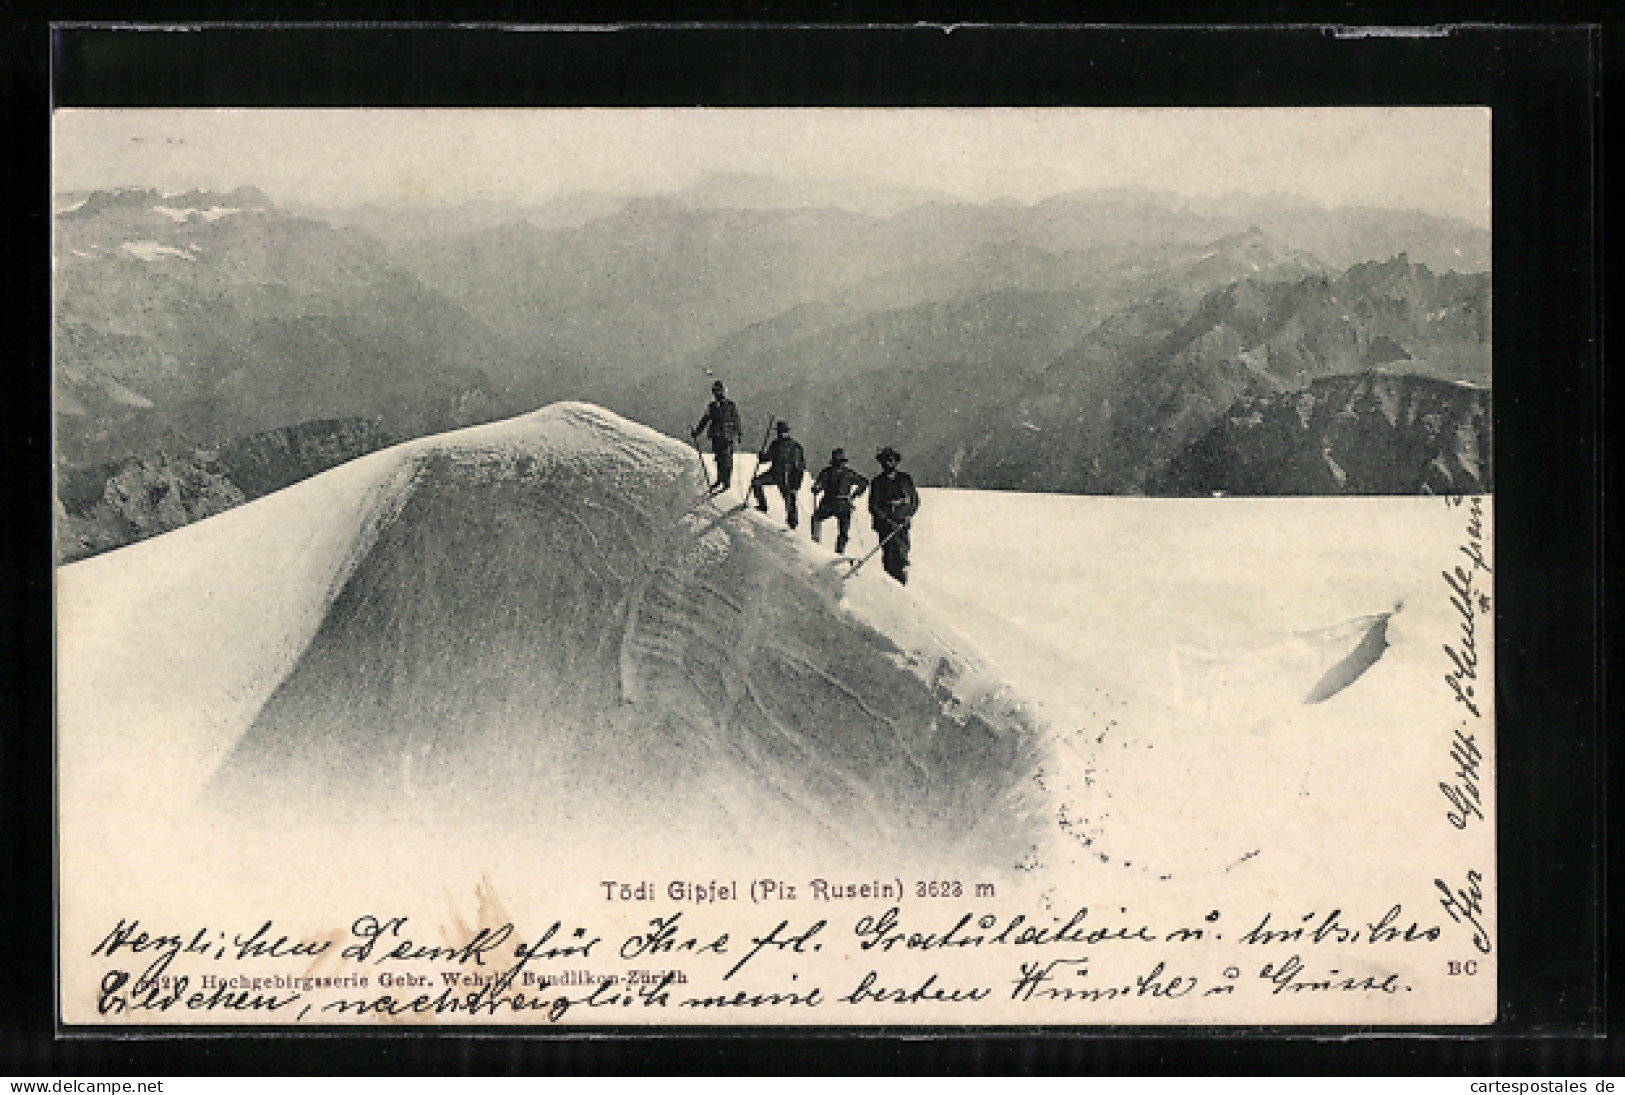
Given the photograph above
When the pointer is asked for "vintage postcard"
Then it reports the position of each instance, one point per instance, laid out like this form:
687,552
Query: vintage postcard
965,567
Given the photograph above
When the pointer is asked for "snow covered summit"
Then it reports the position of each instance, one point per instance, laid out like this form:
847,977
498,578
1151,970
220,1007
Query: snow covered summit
544,621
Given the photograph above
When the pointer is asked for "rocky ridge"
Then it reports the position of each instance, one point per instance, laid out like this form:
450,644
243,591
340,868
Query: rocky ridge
108,506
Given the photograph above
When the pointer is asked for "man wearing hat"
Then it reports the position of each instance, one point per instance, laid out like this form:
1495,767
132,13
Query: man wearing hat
839,485
786,464
721,425
893,501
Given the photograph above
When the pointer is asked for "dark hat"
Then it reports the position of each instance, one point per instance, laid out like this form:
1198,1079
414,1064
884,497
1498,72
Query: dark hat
718,386
782,427
888,451
838,456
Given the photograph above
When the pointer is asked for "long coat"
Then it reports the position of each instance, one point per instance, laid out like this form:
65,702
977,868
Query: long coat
721,421
892,498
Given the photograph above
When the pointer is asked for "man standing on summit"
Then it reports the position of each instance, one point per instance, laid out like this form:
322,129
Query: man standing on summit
893,502
721,425
786,465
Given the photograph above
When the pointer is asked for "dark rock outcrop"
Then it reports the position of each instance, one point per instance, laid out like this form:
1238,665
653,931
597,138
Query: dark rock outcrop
109,506
1375,433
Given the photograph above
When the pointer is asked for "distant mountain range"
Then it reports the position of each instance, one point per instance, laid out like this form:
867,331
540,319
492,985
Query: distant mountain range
193,318
1340,236
1084,343
1111,412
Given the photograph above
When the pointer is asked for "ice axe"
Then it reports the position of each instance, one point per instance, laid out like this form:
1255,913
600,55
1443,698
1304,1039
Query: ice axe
857,566
756,467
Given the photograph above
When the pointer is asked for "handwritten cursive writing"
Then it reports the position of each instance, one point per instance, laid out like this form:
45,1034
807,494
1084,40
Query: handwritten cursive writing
796,943
1465,904
1462,791
1036,979
885,932
1468,601
162,994
1289,976
927,992
1083,958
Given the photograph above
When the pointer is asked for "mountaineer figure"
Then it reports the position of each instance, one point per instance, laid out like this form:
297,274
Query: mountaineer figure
893,502
721,424
786,465
835,489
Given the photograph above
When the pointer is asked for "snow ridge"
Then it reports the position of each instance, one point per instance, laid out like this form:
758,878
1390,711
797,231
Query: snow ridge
542,620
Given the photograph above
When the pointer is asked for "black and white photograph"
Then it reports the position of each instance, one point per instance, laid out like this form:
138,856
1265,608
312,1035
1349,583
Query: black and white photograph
812,567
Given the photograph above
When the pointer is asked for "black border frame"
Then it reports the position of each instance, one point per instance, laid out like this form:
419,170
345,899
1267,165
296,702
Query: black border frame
1543,84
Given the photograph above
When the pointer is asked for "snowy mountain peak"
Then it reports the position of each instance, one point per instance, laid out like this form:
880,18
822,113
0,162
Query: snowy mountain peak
172,204
550,609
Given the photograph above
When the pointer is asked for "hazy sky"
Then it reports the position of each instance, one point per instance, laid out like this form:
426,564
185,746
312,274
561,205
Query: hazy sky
1432,159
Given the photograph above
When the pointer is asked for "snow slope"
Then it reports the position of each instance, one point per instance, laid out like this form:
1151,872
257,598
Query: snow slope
1228,681
1224,682
541,622
527,658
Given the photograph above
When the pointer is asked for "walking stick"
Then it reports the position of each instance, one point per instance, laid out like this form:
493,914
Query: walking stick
754,468
857,566
705,472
